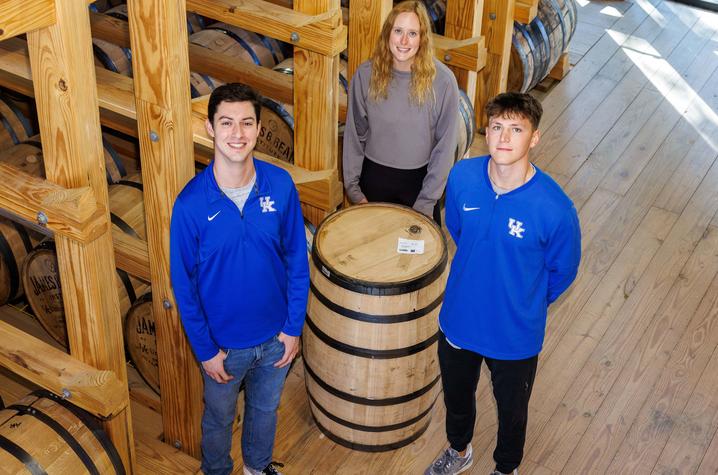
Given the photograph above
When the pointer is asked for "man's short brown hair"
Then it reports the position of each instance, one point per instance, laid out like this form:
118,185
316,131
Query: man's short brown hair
515,104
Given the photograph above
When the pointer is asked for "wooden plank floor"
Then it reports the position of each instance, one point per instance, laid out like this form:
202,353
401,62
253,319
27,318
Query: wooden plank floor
628,378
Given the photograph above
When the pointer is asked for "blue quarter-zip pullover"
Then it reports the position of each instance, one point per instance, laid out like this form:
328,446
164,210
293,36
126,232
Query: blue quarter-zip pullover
516,253
239,278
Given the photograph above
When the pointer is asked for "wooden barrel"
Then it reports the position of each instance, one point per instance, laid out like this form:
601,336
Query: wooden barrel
27,156
369,341
16,242
42,433
466,126
40,274
14,126
276,134
236,42
537,47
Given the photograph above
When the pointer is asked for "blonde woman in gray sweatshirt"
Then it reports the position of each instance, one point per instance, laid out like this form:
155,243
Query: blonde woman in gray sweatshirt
400,135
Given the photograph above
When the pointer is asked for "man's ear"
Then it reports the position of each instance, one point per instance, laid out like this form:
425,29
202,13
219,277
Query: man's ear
535,137
209,128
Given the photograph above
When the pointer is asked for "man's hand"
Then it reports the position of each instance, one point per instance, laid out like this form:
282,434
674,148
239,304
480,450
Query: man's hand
291,348
214,368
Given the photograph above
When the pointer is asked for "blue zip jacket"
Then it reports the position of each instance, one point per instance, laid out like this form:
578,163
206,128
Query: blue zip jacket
516,253
239,278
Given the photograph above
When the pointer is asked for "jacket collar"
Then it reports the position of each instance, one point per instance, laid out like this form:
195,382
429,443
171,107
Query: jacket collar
214,193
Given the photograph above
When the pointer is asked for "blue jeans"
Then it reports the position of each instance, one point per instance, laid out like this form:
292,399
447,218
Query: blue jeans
263,388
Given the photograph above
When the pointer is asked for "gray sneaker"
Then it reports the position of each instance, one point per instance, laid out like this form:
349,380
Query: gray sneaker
451,463
268,470
496,472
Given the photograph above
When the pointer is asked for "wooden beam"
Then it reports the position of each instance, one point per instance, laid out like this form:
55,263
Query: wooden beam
368,17
117,110
63,76
463,20
161,85
72,213
321,33
21,16
525,12
467,54
278,86
497,27
131,254
96,391
316,105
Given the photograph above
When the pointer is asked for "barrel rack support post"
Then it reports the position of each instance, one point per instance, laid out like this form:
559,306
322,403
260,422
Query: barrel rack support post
463,20
158,34
367,19
62,69
497,28
316,106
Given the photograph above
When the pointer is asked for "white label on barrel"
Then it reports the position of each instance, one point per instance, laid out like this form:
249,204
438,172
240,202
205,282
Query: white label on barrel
410,246
325,271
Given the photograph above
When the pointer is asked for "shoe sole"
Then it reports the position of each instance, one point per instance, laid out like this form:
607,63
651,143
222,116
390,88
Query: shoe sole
465,468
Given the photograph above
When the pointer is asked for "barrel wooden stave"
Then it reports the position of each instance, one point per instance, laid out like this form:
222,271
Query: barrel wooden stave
46,446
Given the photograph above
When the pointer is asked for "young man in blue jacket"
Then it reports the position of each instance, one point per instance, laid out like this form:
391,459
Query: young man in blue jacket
518,248
239,269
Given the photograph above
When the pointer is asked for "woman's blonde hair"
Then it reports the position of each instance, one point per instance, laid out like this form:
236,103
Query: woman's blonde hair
423,70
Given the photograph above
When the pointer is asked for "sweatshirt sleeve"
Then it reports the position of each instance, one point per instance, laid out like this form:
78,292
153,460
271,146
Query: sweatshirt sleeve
355,135
563,254
442,155
294,243
184,248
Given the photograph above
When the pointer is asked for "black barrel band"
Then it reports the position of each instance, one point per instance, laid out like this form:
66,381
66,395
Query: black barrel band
368,353
127,283
371,318
363,428
371,448
62,432
378,288
9,129
24,236
11,265
105,59
91,424
21,454
365,401
120,223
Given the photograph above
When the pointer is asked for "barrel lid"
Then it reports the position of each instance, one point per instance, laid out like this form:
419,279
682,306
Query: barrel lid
357,249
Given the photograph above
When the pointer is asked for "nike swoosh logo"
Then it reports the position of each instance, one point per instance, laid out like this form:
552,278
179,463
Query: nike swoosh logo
210,218
470,209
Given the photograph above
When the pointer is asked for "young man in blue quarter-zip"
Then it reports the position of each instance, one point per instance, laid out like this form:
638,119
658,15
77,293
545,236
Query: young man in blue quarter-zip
239,269
518,246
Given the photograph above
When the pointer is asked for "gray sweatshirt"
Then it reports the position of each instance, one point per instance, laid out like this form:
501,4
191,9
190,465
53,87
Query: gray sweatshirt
399,134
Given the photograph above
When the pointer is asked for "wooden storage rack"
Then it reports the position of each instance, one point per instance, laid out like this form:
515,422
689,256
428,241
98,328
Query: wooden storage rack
55,66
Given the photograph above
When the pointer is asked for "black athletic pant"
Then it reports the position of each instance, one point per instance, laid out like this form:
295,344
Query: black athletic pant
393,185
512,381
